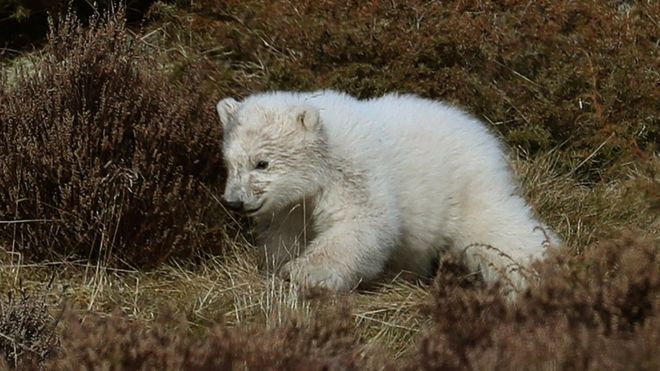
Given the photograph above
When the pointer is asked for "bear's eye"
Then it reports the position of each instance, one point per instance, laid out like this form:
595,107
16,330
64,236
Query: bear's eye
261,165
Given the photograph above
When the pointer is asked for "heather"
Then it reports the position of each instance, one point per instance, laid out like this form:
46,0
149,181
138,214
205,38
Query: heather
100,157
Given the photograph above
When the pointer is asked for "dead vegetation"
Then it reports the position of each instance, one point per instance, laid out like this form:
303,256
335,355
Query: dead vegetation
110,162
591,312
27,330
101,157
595,311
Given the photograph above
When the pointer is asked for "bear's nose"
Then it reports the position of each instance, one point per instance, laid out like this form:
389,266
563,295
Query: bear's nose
234,205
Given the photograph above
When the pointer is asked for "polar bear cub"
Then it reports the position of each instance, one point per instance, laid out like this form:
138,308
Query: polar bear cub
342,189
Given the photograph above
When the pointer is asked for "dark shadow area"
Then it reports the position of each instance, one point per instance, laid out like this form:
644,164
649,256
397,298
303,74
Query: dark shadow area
24,23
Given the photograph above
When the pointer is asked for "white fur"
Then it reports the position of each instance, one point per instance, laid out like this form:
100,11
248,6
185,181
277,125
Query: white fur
355,187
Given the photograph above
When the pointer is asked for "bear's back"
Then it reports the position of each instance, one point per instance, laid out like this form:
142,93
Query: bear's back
429,156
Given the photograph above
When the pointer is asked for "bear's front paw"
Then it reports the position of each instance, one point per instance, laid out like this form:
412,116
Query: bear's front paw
311,275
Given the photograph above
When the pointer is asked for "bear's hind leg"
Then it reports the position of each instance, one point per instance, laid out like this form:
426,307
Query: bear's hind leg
501,240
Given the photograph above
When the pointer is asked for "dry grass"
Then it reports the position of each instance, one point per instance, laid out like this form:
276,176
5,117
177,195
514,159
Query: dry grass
584,140
228,288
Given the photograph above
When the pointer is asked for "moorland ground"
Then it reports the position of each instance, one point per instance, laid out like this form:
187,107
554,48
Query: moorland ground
116,251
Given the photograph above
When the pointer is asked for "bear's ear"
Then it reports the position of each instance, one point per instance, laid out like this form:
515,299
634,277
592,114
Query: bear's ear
226,109
307,117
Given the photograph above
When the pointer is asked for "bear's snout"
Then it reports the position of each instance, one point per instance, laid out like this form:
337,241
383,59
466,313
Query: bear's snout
235,205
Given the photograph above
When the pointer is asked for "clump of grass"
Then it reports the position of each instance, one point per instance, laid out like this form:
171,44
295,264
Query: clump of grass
27,330
102,156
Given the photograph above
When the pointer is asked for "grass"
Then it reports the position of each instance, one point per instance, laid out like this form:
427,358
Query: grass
572,99
228,289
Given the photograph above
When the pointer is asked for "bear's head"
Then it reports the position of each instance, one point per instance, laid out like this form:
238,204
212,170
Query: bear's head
274,153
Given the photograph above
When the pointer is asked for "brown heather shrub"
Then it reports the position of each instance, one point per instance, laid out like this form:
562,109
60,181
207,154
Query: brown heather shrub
597,311
27,330
115,343
101,155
